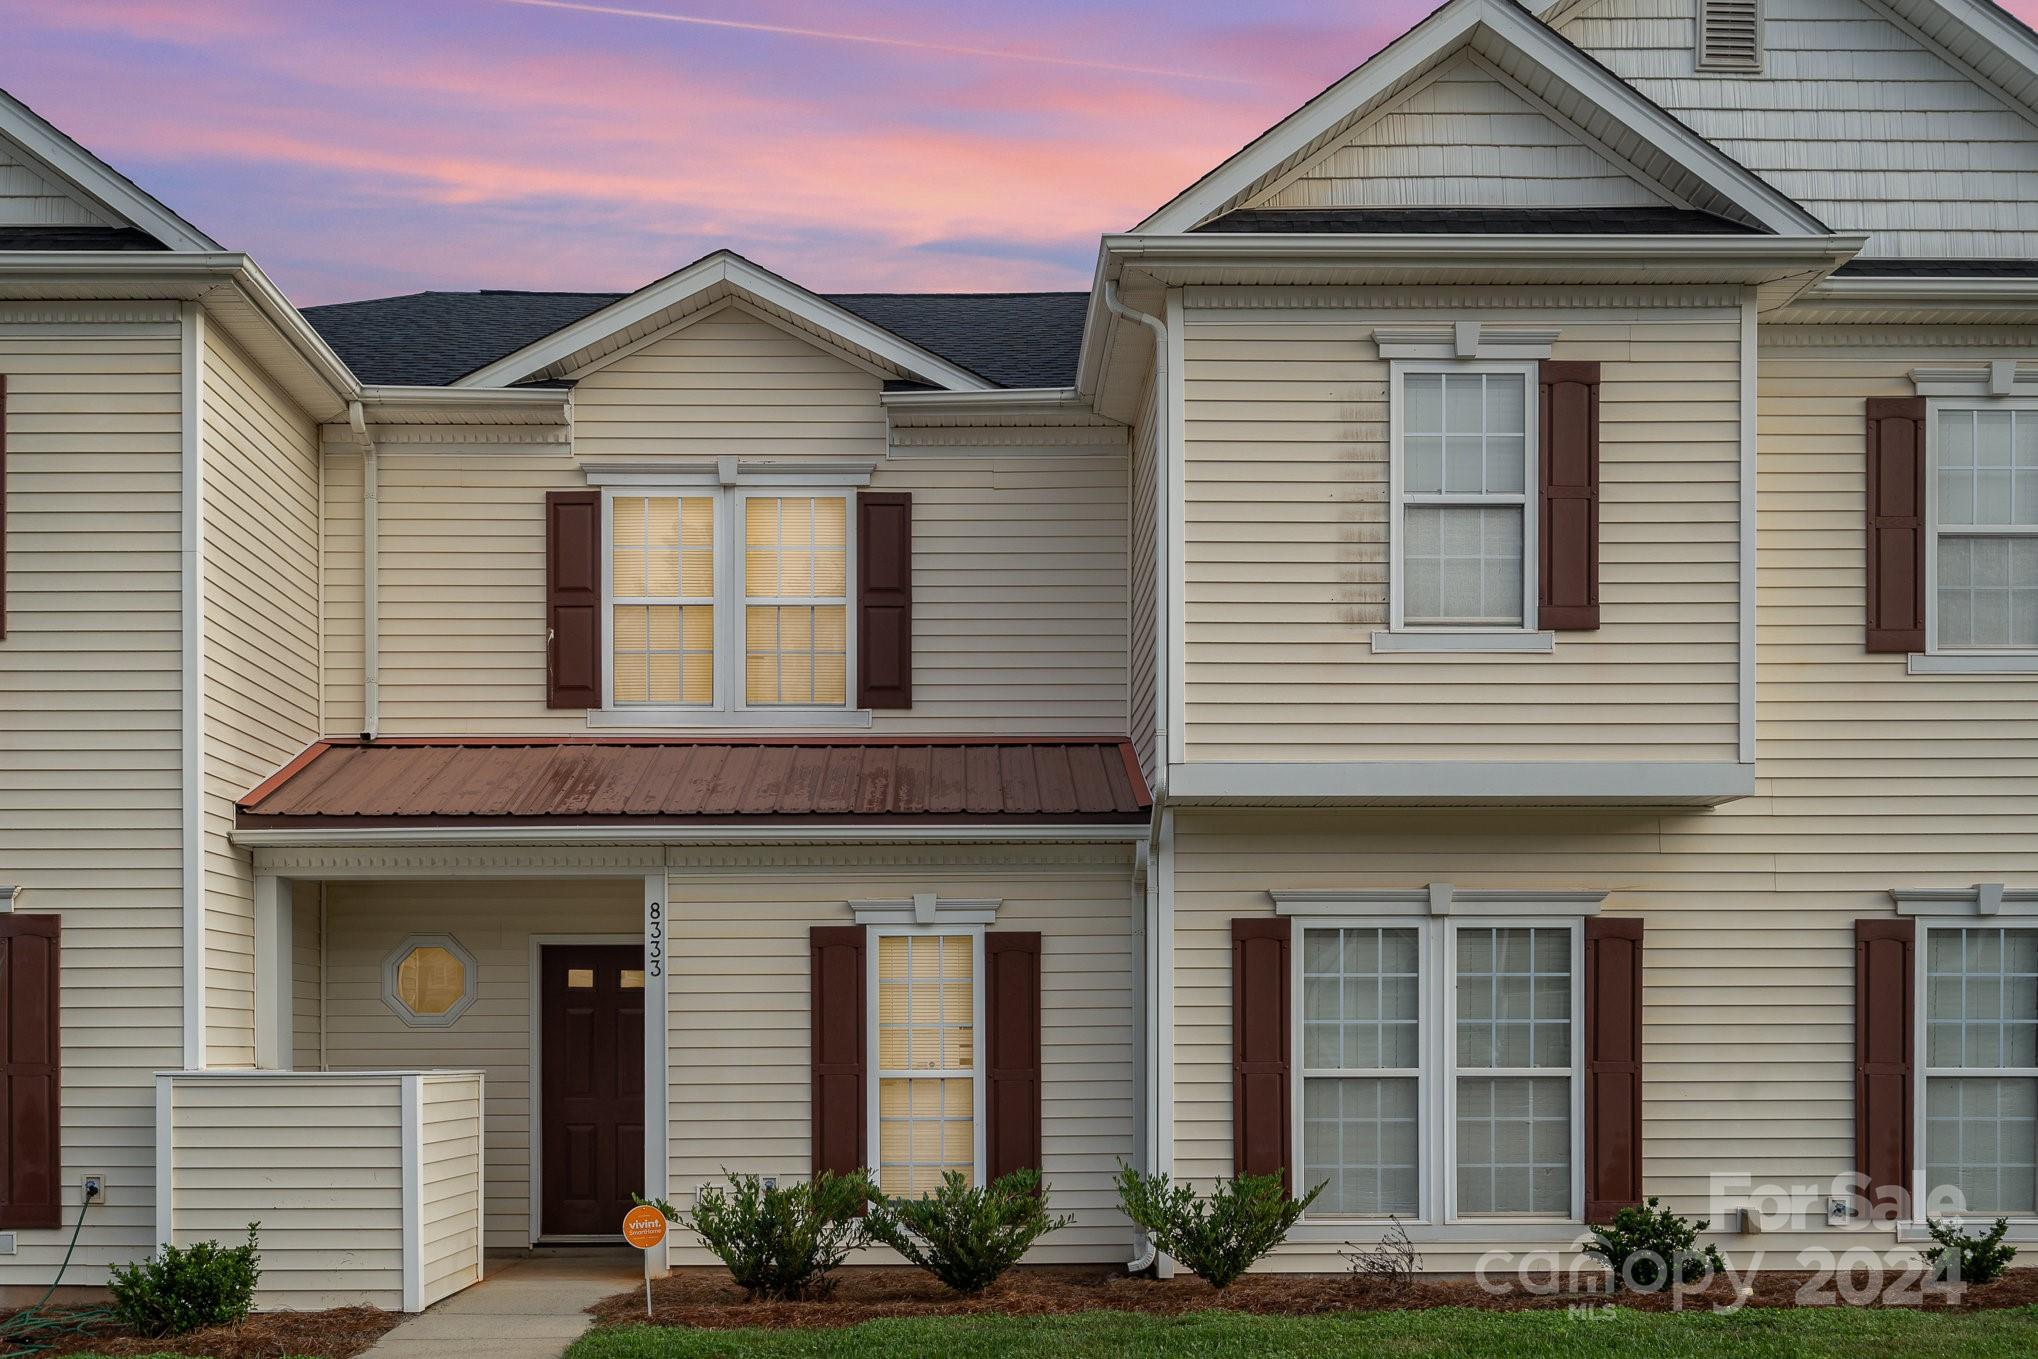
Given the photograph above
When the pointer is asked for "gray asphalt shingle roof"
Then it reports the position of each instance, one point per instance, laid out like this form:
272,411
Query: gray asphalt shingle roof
431,339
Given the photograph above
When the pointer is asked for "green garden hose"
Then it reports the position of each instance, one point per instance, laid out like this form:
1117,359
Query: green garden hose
32,1330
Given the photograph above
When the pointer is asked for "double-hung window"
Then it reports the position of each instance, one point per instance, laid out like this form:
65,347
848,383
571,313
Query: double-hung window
728,600
927,1107
1442,1076
1464,455
1980,1101
1983,497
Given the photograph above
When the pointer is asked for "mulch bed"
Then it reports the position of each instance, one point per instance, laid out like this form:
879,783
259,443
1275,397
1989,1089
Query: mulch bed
339,1333
704,1297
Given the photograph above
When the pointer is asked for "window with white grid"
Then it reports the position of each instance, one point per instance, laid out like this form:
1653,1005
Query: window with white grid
1985,521
1514,1070
796,600
662,599
1464,450
926,1059
1361,1069
695,624
1981,1068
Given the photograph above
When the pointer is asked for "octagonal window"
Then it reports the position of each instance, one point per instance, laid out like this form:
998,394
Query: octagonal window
429,981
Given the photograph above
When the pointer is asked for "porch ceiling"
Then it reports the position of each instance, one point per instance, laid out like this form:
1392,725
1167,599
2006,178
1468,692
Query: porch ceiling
649,781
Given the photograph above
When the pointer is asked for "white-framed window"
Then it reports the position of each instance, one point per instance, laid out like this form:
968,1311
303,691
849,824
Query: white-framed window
926,1099
1981,493
1463,438
1442,1072
728,601
1977,1106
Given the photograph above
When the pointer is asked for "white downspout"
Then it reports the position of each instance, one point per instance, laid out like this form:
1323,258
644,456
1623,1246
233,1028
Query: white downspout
1158,936
371,590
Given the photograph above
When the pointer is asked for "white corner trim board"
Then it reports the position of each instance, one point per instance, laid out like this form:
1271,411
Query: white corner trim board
1982,899
1435,899
925,908
191,621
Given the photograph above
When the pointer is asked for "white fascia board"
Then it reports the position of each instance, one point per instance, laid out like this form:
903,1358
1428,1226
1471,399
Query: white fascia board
96,180
995,400
1443,32
723,268
1785,253
1924,292
467,406
373,836
1461,783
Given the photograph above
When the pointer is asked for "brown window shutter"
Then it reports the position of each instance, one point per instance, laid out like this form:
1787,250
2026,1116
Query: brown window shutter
1567,527
884,600
1896,523
31,1050
573,630
1884,1006
839,1023
1613,1066
1012,1045
1262,1113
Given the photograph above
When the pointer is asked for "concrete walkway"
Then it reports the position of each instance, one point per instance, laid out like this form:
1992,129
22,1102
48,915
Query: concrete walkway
528,1307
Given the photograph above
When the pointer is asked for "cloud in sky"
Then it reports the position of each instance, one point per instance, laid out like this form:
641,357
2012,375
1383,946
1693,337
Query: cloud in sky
360,147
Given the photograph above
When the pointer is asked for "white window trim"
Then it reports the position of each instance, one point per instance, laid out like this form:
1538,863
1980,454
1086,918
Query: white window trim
1397,409
2021,1228
1935,659
1436,1213
468,994
730,706
873,1127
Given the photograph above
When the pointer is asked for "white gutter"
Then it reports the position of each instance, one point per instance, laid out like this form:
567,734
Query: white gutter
1923,292
1010,400
371,577
412,836
191,591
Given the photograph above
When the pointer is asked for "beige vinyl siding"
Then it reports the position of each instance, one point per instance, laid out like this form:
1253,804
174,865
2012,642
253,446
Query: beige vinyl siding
740,1018
1146,507
318,1160
1019,593
450,1161
493,920
31,196
1867,778
1461,138
261,569
1286,545
729,383
89,731
1852,116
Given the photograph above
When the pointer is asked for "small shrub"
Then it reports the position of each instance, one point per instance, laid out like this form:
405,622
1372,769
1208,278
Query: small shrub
781,1242
1961,1258
967,1237
1393,1260
1220,1236
1648,1246
185,1289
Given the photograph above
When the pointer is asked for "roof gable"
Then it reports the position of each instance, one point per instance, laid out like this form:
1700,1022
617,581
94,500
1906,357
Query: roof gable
1465,135
707,283
1647,145
48,180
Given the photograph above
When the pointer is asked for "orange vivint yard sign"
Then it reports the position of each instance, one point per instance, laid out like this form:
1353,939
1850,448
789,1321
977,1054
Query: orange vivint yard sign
644,1227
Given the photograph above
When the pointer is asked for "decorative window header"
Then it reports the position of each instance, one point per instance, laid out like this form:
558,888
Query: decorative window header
1996,378
1435,899
1464,340
733,472
927,909
1982,899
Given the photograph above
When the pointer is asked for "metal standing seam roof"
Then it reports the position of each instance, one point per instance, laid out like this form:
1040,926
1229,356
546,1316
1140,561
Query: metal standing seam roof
640,781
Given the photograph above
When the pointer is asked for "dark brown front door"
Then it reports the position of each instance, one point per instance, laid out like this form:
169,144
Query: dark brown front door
592,1049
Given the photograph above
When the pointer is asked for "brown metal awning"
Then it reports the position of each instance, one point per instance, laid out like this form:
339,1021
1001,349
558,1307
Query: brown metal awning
648,781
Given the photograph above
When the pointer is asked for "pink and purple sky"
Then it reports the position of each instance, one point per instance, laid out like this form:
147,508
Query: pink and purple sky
364,147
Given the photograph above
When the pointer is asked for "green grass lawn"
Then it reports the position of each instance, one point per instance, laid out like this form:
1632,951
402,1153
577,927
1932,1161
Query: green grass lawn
1769,1333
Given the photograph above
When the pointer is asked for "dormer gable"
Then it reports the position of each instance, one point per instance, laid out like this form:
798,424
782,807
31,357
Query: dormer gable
56,195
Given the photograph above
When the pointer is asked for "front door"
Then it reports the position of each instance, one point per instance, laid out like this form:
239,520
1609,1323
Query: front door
592,1077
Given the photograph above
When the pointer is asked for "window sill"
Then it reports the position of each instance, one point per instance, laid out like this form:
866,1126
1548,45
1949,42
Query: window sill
1511,641
752,719
1970,663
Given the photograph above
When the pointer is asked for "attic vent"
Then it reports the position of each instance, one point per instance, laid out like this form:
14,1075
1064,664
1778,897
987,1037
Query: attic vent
1729,35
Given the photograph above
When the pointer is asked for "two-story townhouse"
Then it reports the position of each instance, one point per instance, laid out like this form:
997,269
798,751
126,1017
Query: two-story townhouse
1485,664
